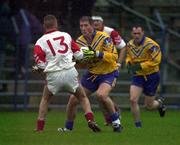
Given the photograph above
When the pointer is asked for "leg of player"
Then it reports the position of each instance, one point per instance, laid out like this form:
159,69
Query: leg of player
151,103
107,115
162,107
81,97
43,108
135,93
82,94
102,96
71,110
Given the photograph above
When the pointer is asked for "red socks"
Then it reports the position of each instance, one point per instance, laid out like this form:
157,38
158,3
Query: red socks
40,125
89,116
107,118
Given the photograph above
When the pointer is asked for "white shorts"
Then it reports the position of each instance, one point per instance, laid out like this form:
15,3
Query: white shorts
65,80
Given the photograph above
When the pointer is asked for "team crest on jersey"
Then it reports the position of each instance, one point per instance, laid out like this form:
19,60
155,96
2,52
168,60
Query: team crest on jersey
154,49
107,41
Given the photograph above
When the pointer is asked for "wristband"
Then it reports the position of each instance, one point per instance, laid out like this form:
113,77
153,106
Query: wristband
99,54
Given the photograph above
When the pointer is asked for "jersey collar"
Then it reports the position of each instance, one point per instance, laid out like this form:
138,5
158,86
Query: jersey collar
93,34
142,40
89,40
50,31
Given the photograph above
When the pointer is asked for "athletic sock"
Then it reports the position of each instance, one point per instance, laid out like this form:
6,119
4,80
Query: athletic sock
138,124
40,125
89,116
115,118
108,118
69,124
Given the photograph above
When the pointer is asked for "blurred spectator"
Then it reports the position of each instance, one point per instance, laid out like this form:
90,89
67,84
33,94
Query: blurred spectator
5,33
29,30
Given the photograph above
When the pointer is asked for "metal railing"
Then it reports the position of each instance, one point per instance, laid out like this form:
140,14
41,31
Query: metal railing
16,80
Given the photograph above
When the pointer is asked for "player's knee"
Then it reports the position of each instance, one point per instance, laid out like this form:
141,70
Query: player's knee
133,100
73,100
149,105
100,96
46,98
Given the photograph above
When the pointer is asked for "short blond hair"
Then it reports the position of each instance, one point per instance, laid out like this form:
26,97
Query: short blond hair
49,21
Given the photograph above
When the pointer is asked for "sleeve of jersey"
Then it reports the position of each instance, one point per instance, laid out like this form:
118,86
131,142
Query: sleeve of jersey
109,52
117,40
40,57
155,60
109,57
77,52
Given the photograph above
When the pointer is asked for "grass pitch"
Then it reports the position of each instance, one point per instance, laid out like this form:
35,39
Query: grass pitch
16,128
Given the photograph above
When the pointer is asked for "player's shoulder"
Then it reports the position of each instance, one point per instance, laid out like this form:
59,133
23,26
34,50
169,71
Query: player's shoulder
148,39
102,33
40,40
81,41
151,42
61,33
64,33
103,36
80,37
130,42
108,29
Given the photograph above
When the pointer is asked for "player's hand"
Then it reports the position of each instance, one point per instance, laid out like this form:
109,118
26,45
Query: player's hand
119,65
88,54
36,69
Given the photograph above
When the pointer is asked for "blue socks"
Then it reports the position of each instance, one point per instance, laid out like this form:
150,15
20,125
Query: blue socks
138,124
69,124
115,116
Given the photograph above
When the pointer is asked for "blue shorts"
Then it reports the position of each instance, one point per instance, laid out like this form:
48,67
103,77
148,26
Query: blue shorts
92,81
149,83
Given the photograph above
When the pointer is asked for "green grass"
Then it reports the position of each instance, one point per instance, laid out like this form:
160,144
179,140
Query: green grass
16,128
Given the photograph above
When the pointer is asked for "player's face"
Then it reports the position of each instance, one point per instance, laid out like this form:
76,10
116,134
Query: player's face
137,34
86,28
98,25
